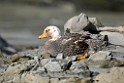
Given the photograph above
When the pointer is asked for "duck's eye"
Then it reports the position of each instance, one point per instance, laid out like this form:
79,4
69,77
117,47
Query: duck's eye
47,30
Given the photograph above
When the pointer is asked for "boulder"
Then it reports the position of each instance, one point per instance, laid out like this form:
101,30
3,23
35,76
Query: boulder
100,56
115,76
79,24
115,38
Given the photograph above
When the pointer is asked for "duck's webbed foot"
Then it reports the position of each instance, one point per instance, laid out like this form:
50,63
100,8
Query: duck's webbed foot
82,56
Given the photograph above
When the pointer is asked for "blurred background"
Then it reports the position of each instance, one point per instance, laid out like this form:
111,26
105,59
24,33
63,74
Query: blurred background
22,21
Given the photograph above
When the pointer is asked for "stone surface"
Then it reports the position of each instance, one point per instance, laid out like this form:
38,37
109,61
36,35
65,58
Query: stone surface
53,66
115,76
76,80
41,70
100,56
59,56
79,24
95,21
80,69
34,78
114,37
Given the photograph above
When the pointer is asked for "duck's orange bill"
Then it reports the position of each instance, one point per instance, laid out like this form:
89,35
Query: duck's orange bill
43,35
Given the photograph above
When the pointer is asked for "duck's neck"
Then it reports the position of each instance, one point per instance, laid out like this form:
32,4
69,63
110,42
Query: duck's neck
55,38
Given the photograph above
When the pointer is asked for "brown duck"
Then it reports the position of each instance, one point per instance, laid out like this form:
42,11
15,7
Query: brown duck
71,44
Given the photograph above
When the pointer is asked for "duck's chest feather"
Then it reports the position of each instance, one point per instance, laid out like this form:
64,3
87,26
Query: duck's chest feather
50,47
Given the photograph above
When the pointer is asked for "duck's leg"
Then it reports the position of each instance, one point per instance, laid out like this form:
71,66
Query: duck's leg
82,56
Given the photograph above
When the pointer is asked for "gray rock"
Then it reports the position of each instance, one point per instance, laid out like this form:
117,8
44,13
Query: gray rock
117,54
33,77
99,70
115,76
59,56
76,80
53,66
114,37
72,58
45,61
78,68
79,24
100,56
95,21
54,80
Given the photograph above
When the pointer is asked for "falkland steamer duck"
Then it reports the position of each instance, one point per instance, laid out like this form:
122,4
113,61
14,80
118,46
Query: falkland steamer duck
70,44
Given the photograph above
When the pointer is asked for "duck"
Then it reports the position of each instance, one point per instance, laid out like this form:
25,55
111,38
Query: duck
70,44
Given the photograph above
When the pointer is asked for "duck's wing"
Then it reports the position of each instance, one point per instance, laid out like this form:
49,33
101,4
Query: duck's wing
71,44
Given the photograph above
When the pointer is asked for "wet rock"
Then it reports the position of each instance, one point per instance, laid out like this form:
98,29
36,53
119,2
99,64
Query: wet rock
100,56
115,76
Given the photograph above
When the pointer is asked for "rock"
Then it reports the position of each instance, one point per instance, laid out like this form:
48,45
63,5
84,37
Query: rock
53,66
114,37
72,58
76,80
100,56
54,80
12,73
45,61
95,21
80,69
34,78
119,29
97,70
46,55
115,76
79,24
59,56
117,54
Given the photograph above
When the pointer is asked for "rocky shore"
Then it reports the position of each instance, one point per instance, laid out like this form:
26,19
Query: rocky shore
104,66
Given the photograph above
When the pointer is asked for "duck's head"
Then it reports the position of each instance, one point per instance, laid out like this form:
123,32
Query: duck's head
51,32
